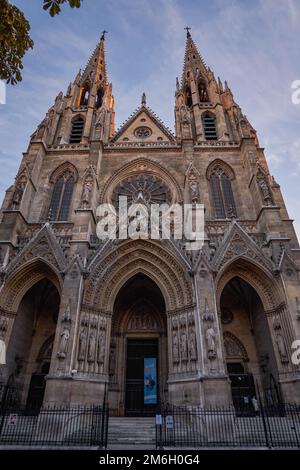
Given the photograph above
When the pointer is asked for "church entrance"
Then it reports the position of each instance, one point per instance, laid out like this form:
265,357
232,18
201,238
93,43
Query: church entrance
141,377
30,348
138,364
250,357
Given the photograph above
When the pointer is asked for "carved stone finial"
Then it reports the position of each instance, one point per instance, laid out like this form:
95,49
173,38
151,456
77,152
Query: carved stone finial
144,99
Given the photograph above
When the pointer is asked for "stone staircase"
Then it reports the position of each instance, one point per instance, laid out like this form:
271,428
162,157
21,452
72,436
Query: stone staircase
131,432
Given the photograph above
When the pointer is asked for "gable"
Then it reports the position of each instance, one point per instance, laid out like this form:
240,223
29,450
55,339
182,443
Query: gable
143,126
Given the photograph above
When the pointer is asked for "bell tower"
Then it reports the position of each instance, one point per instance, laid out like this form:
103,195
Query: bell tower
200,99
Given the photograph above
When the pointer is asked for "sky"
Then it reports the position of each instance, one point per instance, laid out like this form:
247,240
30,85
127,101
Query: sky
254,45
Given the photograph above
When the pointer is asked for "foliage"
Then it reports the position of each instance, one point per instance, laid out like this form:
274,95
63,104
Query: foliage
15,40
54,6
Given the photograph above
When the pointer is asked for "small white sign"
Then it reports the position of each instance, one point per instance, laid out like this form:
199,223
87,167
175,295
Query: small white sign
158,420
169,422
12,419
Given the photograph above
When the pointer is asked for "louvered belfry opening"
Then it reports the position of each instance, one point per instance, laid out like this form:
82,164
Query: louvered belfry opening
209,126
77,130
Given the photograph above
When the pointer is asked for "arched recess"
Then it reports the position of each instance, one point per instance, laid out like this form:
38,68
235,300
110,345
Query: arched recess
30,303
110,271
146,167
21,280
267,287
138,331
252,311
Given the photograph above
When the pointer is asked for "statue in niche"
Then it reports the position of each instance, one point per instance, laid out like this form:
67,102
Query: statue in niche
192,343
183,345
64,340
92,347
18,193
82,345
281,347
211,343
101,347
112,360
86,193
100,123
185,116
194,190
175,347
264,187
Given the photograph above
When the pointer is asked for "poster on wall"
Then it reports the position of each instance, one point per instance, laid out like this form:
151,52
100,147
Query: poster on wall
150,381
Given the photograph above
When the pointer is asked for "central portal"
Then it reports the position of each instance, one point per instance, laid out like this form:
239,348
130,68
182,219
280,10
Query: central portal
141,377
138,362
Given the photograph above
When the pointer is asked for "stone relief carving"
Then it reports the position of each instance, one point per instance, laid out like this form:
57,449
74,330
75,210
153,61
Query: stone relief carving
142,321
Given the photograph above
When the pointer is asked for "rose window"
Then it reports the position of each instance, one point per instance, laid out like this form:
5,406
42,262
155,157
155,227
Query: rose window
142,189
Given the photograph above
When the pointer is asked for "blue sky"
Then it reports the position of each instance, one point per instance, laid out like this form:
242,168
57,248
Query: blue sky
253,45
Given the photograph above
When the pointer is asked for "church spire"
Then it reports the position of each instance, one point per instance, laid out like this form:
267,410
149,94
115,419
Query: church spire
194,65
95,70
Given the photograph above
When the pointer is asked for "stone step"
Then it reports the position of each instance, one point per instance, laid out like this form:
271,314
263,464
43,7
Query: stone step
132,431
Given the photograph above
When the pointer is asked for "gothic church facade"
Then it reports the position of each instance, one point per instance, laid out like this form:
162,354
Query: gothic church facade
81,316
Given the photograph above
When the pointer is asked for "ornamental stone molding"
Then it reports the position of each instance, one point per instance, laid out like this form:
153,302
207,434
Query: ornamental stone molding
108,273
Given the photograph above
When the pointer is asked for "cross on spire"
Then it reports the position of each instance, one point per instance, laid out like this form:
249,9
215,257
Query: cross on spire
188,34
103,35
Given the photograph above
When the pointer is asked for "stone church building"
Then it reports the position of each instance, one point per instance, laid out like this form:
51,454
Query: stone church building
81,316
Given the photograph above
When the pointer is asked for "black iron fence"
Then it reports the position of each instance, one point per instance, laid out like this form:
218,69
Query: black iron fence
51,425
272,426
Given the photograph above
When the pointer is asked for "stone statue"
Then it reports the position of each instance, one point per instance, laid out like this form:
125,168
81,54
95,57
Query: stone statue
183,345
101,347
64,340
194,190
18,194
211,343
82,345
112,360
185,115
264,187
86,193
202,92
144,99
92,347
192,344
175,347
101,117
281,347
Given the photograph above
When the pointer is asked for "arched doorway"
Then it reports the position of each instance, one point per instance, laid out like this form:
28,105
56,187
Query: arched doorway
138,348
248,348
30,347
